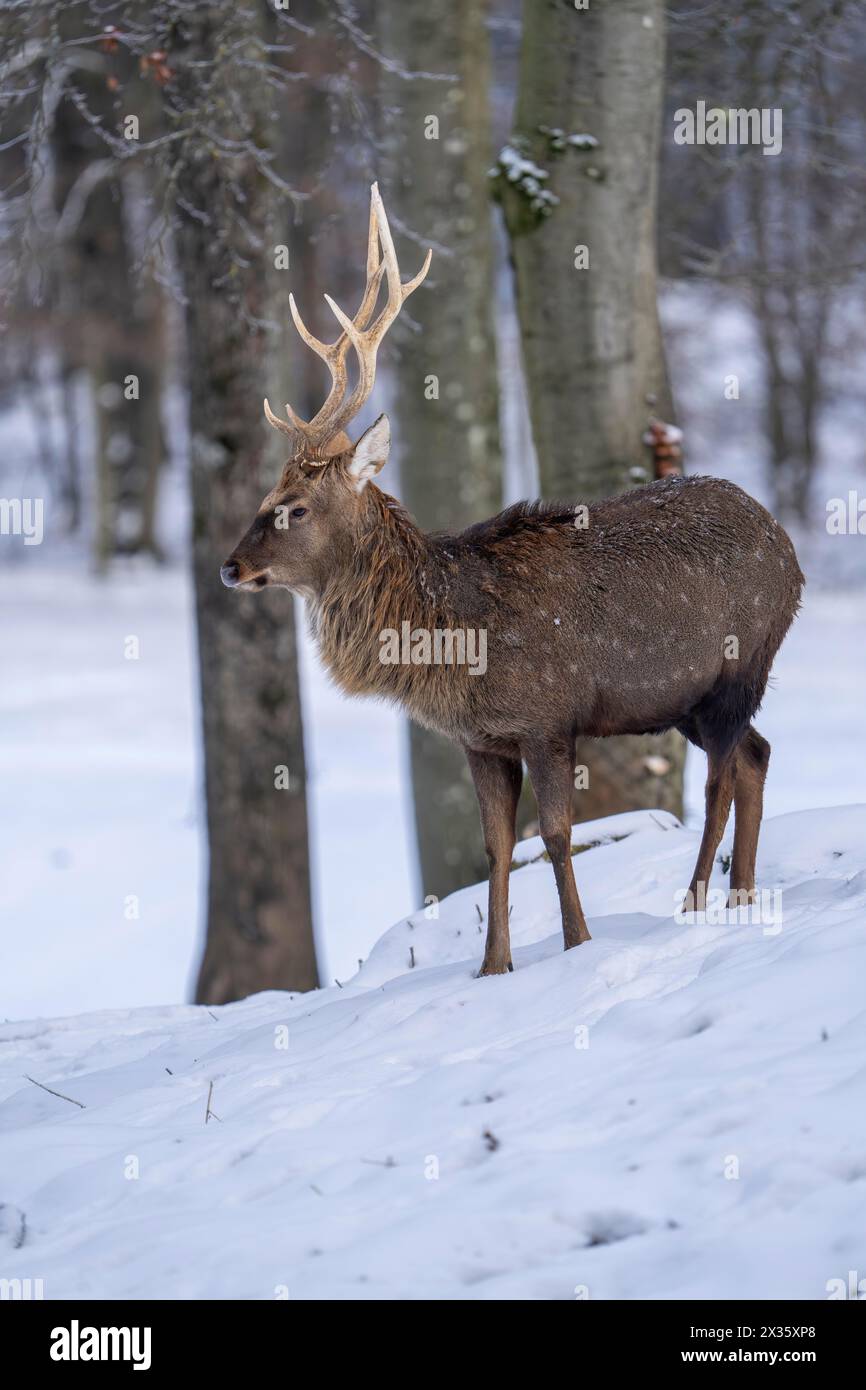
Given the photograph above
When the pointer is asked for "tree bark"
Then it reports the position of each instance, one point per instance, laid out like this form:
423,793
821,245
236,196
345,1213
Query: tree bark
436,148
581,172
259,927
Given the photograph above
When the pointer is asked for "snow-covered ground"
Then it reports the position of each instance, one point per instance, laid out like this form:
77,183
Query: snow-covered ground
671,1110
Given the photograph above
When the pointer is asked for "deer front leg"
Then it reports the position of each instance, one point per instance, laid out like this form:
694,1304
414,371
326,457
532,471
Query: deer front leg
497,785
551,773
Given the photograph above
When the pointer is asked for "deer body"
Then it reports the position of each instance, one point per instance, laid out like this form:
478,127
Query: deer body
660,608
620,626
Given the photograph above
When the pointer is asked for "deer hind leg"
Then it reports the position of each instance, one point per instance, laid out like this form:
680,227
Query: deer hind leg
753,756
497,785
719,794
551,773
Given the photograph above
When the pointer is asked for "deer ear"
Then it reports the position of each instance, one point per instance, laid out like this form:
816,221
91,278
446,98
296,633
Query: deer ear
371,452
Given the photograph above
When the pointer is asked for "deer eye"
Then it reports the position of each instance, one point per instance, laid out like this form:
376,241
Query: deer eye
298,511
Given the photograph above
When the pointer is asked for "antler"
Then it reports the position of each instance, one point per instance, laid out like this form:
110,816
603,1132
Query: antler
325,433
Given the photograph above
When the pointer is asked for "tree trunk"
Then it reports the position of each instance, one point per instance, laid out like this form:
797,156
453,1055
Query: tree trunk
259,928
111,318
578,187
436,144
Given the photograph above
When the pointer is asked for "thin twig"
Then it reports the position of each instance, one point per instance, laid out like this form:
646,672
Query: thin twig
208,1112
59,1094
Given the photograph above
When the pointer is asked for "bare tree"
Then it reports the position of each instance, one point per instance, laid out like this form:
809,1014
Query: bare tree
101,314
578,185
259,919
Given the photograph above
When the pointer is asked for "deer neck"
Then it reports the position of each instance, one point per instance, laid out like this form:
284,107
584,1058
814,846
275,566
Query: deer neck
392,577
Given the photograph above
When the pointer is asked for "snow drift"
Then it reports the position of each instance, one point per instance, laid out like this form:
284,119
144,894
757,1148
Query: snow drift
675,1109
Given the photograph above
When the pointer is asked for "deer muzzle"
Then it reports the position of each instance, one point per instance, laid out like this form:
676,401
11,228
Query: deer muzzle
237,575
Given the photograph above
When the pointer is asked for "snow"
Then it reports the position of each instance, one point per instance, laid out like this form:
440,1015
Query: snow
669,1111
99,863
528,177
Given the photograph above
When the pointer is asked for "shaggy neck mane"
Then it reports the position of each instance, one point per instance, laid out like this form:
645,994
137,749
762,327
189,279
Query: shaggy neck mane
393,576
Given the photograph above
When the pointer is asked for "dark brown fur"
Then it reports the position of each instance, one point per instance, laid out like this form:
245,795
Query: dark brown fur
617,626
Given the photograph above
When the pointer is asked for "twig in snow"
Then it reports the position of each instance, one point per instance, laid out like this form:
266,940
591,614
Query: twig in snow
208,1112
59,1094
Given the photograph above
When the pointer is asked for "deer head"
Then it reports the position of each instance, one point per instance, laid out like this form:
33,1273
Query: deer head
311,515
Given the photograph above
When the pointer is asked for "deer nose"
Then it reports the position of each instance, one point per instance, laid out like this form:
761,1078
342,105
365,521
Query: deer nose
230,574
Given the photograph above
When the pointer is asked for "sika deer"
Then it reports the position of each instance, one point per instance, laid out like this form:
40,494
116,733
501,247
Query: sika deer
660,608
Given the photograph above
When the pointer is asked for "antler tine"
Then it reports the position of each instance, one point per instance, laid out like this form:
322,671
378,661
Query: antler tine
366,362
366,341
373,257
330,421
397,293
283,425
330,351
413,284
334,354
300,425
389,255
